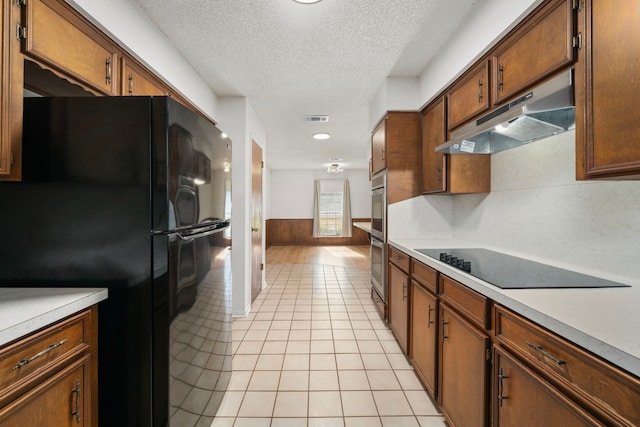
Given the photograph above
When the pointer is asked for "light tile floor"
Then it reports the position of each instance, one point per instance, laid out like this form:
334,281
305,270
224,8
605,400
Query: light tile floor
314,353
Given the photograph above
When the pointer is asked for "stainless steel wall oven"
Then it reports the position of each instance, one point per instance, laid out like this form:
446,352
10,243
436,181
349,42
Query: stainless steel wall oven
379,233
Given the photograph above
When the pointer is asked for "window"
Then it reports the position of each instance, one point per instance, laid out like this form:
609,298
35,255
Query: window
332,209
331,213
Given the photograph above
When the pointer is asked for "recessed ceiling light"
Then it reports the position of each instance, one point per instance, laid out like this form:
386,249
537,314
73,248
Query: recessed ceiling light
321,136
307,1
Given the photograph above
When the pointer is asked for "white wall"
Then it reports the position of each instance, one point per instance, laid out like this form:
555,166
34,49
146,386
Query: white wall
291,192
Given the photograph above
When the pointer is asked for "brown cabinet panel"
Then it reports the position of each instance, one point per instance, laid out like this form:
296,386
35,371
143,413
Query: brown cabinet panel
378,148
424,336
425,275
476,307
525,400
469,97
399,258
463,372
453,174
434,164
611,393
137,81
399,305
58,38
403,156
538,48
58,402
11,84
607,91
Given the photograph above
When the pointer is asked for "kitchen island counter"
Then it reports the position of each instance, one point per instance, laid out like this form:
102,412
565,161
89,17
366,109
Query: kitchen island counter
604,321
25,310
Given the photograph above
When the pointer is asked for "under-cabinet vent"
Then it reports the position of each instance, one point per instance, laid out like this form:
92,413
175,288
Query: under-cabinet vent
321,119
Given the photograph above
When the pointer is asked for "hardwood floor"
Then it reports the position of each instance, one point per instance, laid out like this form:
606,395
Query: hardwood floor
356,256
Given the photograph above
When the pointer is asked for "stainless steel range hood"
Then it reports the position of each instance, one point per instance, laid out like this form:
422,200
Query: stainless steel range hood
547,110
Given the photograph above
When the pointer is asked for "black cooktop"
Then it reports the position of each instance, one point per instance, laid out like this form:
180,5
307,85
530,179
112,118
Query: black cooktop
509,272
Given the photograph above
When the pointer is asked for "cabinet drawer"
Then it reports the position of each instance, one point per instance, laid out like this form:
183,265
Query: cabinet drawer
468,302
612,393
425,275
399,258
26,360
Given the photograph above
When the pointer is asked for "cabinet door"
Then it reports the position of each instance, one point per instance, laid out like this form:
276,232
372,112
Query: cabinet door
542,45
61,401
434,164
136,81
463,371
469,97
607,91
517,387
58,38
399,305
424,335
11,84
378,147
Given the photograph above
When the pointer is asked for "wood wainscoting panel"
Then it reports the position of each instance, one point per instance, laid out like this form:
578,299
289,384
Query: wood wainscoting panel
300,232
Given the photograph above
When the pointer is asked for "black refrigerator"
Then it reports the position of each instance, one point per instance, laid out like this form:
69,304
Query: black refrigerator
132,194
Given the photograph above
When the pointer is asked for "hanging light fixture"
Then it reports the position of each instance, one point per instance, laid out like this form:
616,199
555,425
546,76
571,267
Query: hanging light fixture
334,167
307,1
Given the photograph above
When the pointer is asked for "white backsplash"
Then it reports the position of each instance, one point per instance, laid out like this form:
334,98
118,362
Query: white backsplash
538,209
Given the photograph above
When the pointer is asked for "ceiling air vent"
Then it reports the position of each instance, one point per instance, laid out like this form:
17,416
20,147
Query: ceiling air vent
316,119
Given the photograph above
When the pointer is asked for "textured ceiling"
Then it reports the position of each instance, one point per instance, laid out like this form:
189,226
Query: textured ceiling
291,60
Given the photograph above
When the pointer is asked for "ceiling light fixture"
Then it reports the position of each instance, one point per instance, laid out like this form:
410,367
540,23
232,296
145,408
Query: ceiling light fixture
307,1
321,136
334,167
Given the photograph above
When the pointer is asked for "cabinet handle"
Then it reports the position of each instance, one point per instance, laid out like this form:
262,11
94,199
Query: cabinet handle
75,396
429,321
383,154
444,337
480,96
39,354
500,77
546,354
108,66
501,377
404,291
131,84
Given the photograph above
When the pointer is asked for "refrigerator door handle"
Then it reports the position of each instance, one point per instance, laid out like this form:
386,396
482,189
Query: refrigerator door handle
196,231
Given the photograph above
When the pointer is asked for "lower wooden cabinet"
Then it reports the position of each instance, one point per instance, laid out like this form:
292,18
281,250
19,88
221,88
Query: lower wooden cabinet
464,367
399,305
523,399
424,336
60,401
49,378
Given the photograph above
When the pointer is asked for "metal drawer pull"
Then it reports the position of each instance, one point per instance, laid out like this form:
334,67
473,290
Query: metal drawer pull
501,376
444,337
546,354
429,321
35,356
76,391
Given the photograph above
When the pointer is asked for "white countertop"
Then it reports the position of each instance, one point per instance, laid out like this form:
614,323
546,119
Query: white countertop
605,321
25,310
363,225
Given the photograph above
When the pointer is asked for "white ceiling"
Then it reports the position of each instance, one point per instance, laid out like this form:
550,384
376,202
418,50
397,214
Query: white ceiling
291,60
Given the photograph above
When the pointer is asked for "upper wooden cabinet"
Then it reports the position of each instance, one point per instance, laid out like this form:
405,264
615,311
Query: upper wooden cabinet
540,46
378,148
11,84
470,96
138,81
395,145
607,91
445,173
57,37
